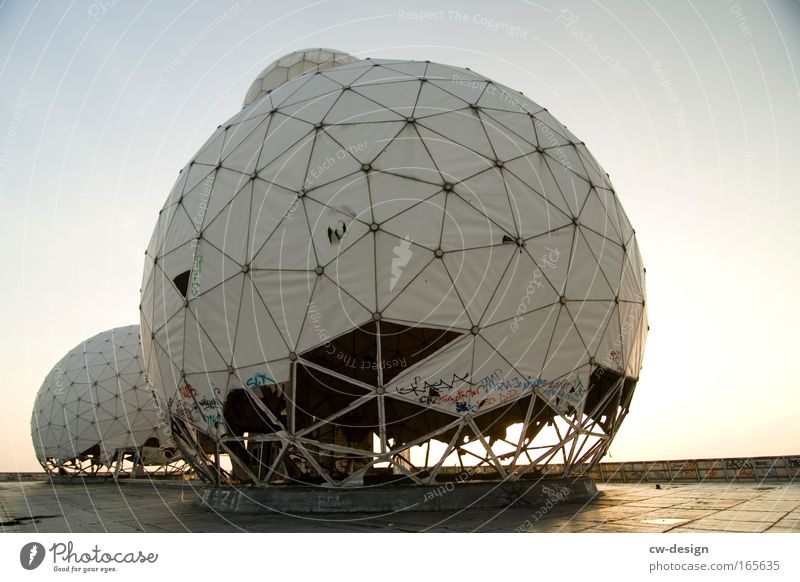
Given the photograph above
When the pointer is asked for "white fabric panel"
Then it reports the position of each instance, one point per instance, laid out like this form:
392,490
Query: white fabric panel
536,174
398,262
567,351
608,254
210,267
225,184
573,188
547,118
237,134
332,230
468,91
244,158
407,156
609,203
291,131
349,196
353,108
518,126
223,230
174,194
595,217
630,288
524,340
171,338
476,274
210,152
364,142
338,314
595,172
637,349
631,321
271,205
533,213
257,336
285,294
347,74
522,288
498,97
430,299
424,219
289,168
397,96
412,69
217,309
591,318
454,160
289,245
304,112
468,226
463,128
316,85
167,299
551,252
435,101
505,143
354,271
329,162
487,193
392,194
585,280
610,351
180,230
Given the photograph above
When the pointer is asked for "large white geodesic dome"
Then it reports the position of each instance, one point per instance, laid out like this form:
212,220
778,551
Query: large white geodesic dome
386,268
95,409
292,65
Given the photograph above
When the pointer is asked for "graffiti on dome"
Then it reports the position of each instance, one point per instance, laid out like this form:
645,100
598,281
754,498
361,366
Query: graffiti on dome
186,390
258,380
465,395
211,409
182,408
616,358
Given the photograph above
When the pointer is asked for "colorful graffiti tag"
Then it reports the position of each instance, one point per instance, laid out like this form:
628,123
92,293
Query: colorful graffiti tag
258,380
464,395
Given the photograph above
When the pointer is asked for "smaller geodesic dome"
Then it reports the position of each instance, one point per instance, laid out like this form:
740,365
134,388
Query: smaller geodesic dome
292,65
95,410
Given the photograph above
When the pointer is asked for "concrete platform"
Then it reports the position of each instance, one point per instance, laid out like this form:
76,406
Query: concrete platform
41,506
446,497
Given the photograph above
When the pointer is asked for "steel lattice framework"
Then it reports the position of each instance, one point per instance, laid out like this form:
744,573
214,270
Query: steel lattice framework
384,268
94,413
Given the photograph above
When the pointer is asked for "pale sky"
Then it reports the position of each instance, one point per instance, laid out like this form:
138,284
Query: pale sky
693,108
